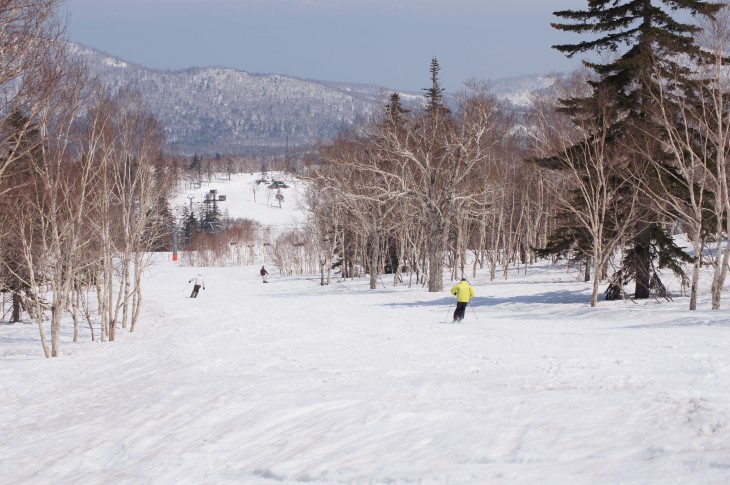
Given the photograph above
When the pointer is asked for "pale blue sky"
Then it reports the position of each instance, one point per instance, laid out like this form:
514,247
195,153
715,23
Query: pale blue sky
384,42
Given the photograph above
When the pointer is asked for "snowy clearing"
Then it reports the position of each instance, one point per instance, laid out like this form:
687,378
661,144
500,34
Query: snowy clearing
292,382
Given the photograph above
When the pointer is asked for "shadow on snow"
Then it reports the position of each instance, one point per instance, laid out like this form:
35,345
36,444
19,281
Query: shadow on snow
562,297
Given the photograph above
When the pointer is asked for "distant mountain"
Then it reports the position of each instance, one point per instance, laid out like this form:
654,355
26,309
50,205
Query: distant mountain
208,110
221,110
517,90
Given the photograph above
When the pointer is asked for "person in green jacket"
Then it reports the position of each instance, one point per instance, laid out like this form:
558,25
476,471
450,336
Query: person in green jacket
463,292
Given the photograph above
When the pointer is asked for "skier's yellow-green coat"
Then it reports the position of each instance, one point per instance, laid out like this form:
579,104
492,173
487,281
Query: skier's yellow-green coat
463,291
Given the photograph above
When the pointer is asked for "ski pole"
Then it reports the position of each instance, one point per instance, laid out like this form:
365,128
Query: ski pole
340,282
472,309
449,311
381,281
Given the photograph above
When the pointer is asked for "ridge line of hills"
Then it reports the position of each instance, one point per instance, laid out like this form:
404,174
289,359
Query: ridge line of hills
224,110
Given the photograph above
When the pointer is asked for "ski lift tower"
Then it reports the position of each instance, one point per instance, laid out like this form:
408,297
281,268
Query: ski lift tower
212,198
175,230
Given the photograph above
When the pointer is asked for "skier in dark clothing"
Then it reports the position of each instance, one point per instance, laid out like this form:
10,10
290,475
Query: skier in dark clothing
199,283
263,274
463,292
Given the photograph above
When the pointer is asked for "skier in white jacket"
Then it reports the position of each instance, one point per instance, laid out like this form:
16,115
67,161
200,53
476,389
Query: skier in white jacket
199,283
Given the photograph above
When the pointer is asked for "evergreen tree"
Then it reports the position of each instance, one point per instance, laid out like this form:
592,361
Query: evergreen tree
394,110
195,163
435,94
190,226
196,168
159,227
211,219
570,242
644,36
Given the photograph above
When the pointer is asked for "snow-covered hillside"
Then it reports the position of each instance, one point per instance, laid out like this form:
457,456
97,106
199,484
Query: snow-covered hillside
292,382
221,110
517,91
247,197
216,109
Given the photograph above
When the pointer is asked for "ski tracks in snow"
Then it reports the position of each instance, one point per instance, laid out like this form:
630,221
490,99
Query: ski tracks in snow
293,382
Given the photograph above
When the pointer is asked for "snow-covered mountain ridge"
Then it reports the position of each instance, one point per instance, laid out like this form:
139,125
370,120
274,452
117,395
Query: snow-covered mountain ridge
223,110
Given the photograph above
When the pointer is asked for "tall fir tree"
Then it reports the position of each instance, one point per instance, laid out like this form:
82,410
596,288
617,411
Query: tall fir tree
643,36
435,94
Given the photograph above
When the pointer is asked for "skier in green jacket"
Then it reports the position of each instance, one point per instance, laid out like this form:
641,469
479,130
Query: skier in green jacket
463,292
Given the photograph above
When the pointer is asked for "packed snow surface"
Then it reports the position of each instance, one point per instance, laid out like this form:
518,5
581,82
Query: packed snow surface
292,382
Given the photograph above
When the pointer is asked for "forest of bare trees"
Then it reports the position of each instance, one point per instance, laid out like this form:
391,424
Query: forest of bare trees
80,180
415,190
600,171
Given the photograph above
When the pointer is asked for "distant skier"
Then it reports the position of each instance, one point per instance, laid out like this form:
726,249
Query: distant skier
263,274
199,283
464,292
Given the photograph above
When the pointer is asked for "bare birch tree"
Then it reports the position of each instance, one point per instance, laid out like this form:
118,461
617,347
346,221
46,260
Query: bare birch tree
55,201
696,121
31,34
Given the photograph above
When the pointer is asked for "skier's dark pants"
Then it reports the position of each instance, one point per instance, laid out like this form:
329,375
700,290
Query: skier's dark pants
195,291
460,310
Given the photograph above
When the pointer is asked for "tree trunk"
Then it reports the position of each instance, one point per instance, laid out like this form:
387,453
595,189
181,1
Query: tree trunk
75,312
42,332
718,281
436,244
643,263
125,283
16,307
322,265
55,330
374,258
594,292
137,293
596,261
401,259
